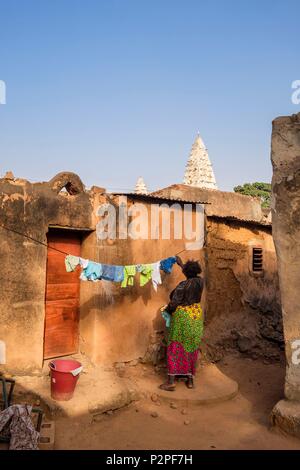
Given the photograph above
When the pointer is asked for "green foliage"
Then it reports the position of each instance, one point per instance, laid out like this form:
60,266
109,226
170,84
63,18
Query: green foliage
261,190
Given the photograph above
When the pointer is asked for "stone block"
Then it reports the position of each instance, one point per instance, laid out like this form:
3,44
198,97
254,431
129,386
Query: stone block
47,436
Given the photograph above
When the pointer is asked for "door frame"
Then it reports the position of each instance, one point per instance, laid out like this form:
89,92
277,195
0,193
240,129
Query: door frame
60,228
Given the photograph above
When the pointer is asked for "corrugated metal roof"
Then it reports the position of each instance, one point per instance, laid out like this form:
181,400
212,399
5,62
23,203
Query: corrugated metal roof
161,198
153,197
264,222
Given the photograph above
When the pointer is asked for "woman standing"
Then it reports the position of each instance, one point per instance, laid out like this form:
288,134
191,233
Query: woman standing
186,327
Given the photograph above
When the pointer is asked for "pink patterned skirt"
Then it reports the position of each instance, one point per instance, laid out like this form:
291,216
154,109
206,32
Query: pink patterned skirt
186,331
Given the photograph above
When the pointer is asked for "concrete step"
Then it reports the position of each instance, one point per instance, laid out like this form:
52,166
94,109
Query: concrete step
97,391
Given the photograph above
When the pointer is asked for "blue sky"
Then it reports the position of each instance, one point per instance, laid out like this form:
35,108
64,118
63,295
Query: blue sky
115,89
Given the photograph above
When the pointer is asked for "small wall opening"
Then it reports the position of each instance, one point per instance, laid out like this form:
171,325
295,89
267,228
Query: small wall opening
257,259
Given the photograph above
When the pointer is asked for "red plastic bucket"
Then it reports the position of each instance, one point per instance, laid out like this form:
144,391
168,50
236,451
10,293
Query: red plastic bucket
64,374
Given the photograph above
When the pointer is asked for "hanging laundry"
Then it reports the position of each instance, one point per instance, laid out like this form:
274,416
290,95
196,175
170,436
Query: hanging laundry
71,263
112,273
156,277
145,271
83,262
129,273
167,317
166,265
92,272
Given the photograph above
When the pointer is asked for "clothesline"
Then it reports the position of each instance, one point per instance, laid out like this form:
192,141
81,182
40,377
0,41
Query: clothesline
52,247
94,271
33,239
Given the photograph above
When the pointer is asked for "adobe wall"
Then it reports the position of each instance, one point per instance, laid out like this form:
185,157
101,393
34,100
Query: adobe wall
286,230
125,324
242,308
219,203
31,208
116,325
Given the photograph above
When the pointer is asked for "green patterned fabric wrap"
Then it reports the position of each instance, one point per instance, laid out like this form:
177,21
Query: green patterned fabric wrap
187,327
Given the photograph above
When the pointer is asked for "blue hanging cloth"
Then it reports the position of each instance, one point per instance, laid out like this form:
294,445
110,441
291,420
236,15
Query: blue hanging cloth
92,272
112,273
166,265
167,317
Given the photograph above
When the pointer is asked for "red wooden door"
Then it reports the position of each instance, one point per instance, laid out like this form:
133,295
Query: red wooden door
62,296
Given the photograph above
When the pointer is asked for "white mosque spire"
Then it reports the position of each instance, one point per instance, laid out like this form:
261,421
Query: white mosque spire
199,171
140,187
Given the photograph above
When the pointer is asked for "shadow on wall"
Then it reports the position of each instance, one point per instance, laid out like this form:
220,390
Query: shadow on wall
126,323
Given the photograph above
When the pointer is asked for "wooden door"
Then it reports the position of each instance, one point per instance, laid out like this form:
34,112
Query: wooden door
62,296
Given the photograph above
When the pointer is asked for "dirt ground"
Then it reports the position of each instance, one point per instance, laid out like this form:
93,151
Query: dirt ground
242,423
